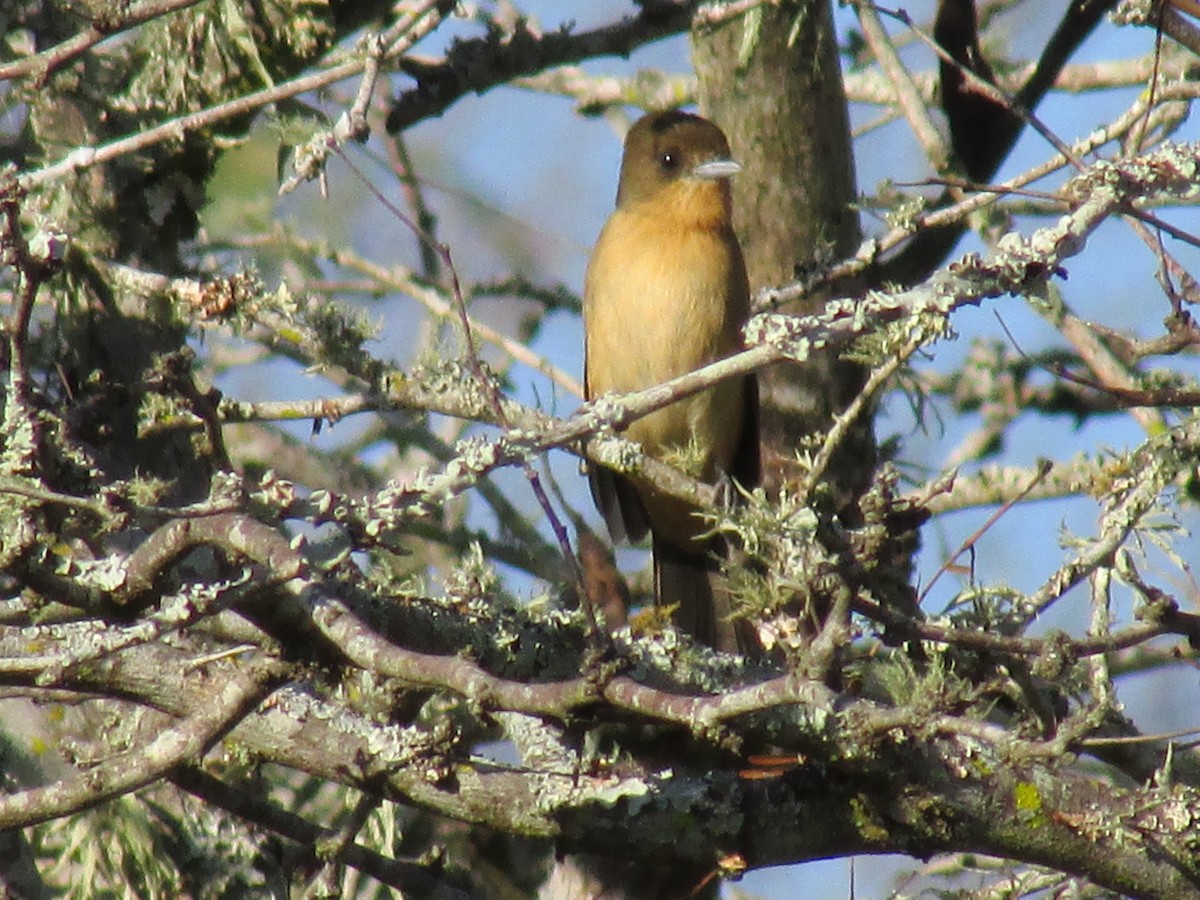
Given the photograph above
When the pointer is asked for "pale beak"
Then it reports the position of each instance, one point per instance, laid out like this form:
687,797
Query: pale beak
715,169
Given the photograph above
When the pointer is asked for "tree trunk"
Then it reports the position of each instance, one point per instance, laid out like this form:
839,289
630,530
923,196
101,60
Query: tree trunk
784,109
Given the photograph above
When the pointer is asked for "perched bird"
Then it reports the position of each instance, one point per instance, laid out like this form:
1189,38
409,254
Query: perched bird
665,293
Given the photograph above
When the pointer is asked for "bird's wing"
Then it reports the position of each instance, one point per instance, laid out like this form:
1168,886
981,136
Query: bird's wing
746,466
619,503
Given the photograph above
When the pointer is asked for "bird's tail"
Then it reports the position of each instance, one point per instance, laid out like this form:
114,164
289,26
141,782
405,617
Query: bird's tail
693,583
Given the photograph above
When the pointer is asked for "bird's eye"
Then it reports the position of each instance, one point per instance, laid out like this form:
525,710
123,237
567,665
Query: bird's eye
669,160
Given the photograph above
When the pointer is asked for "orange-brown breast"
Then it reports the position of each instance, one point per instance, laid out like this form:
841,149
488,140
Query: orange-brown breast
665,293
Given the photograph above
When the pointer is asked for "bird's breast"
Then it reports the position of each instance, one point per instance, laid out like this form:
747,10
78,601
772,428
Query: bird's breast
661,300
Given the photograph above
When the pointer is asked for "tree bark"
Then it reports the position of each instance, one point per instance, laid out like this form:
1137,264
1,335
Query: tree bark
783,107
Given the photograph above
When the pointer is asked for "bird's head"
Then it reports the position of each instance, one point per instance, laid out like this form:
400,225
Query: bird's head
680,161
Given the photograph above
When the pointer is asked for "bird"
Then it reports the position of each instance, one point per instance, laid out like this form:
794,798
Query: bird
666,292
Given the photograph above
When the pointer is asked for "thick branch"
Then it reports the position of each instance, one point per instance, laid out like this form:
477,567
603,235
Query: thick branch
212,712
475,66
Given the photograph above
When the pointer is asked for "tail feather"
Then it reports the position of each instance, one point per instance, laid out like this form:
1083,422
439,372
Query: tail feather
693,583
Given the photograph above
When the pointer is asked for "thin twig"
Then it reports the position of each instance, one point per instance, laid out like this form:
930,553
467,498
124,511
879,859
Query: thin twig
1043,469
492,391
847,419
406,32
101,28
907,92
